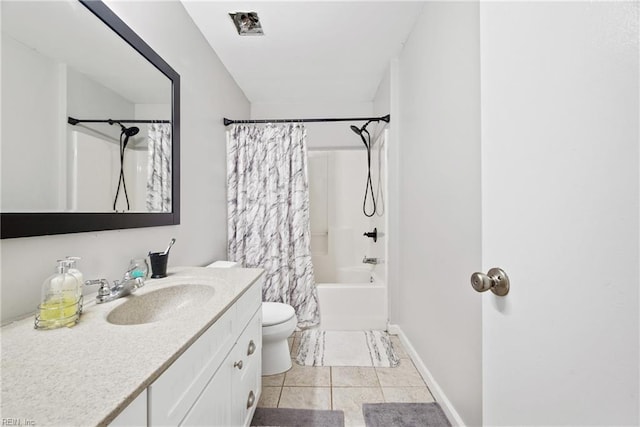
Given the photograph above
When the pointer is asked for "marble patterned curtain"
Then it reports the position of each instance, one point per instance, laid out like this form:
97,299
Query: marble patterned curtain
159,168
268,212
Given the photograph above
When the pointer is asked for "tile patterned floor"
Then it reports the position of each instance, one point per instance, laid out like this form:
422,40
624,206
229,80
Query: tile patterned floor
344,388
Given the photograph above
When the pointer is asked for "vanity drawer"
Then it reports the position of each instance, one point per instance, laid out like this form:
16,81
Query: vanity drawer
175,391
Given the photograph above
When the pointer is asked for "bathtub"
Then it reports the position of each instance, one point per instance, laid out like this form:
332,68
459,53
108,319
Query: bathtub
359,304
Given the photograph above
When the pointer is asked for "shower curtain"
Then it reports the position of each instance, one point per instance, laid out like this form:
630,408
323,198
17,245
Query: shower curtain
268,212
159,168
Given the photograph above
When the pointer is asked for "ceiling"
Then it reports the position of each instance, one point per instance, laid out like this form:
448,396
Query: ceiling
312,51
51,27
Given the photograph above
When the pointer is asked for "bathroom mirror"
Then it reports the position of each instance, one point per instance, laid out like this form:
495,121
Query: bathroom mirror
68,67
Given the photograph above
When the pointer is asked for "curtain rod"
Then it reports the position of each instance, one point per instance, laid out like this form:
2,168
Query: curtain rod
386,118
73,121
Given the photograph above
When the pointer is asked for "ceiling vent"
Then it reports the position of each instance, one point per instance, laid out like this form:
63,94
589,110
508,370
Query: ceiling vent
247,23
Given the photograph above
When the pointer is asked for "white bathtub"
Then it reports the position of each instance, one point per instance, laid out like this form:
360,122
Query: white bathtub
353,306
355,274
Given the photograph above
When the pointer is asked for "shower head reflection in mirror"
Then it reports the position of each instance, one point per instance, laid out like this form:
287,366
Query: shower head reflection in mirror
126,134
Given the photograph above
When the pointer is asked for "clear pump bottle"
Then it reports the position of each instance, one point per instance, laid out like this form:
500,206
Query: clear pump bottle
72,264
60,304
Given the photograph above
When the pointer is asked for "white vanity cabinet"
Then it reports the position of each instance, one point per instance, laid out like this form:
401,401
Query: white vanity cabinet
181,370
216,381
232,394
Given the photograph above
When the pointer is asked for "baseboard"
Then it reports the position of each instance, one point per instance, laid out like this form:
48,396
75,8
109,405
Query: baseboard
435,389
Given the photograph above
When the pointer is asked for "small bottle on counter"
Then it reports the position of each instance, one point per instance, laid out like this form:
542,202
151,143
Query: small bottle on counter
60,304
138,268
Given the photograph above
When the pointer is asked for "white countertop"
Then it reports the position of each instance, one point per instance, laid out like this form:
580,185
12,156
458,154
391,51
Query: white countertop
87,374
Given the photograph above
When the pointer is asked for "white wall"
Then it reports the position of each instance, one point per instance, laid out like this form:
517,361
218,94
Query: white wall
347,224
560,146
387,99
318,174
439,177
94,166
343,179
207,94
380,169
31,84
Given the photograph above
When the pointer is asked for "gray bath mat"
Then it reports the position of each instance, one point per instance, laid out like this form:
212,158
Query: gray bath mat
404,415
286,417
346,348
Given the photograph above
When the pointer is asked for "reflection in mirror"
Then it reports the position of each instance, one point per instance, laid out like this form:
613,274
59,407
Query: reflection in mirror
142,160
76,81
59,60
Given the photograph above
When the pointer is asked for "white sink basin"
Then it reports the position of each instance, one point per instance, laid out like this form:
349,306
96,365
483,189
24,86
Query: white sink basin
161,304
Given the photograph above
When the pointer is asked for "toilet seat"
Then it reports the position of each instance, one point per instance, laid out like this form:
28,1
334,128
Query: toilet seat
274,313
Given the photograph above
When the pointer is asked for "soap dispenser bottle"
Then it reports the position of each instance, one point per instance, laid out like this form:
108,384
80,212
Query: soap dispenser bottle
72,264
60,305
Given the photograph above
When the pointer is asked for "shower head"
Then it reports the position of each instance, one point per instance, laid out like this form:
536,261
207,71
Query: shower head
361,133
133,130
128,132
363,129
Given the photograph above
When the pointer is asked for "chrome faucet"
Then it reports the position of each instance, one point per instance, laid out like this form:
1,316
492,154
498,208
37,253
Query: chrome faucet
366,260
108,293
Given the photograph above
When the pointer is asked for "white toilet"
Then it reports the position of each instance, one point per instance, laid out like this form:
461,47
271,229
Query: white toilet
278,323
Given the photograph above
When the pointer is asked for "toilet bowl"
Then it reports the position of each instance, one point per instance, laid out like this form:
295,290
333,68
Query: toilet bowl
278,323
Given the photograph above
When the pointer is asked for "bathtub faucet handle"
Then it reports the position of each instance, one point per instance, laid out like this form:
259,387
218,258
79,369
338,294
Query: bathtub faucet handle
372,234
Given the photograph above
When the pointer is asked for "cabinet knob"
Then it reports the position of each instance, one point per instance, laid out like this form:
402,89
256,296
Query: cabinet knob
251,400
251,349
238,364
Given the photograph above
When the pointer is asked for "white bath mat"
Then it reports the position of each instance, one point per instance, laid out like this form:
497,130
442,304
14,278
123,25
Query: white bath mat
346,348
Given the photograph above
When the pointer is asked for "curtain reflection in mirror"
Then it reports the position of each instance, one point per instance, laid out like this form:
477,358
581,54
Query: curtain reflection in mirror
159,168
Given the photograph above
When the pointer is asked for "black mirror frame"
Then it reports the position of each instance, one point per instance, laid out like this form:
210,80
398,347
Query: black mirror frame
13,225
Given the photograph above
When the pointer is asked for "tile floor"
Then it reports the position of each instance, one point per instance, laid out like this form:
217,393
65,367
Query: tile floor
344,388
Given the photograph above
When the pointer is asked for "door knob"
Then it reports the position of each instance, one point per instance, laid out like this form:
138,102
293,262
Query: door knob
495,279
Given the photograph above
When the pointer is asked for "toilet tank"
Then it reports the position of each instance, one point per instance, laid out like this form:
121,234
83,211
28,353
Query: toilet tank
224,264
